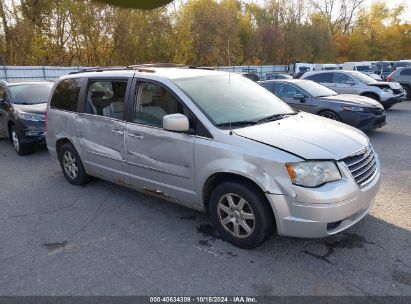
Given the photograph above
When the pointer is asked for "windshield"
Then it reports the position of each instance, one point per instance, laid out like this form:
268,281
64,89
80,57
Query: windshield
30,93
361,77
315,89
385,67
232,100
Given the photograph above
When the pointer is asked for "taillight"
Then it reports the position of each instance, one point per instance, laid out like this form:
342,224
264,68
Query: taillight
389,77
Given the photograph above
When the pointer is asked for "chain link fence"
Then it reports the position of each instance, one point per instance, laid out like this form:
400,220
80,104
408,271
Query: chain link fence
37,73
34,73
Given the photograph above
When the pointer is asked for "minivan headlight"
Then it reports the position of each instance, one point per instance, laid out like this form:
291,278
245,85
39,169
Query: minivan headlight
31,116
387,90
312,173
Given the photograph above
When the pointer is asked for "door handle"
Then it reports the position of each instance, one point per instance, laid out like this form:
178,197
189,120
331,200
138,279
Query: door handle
117,132
135,136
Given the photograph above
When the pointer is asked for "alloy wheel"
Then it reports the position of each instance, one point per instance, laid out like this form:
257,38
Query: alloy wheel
236,215
69,164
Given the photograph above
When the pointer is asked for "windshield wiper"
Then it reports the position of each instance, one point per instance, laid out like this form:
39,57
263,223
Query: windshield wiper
274,117
237,123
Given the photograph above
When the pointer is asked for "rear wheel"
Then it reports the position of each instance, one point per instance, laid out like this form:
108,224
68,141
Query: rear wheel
241,214
72,166
20,148
330,115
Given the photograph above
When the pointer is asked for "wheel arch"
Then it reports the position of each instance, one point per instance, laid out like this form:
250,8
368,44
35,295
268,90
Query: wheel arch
217,178
369,94
61,142
328,110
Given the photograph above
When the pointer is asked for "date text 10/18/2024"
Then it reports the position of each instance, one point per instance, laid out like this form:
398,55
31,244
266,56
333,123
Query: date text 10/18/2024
203,300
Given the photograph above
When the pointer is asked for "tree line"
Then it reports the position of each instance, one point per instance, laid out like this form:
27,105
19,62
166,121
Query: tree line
201,32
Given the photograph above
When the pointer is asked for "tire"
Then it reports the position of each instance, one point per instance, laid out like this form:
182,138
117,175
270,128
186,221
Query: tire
330,115
241,214
407,90
72,166
20,148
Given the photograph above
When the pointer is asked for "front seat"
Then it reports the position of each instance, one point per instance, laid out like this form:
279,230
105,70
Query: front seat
114,110
147,107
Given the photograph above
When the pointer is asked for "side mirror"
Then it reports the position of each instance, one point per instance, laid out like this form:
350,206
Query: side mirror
350,82
299,96
176,123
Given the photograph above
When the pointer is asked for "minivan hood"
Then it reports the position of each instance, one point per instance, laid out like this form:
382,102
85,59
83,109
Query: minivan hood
308,136
39,108
355,100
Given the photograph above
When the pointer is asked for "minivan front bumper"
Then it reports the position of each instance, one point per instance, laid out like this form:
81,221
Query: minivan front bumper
323,211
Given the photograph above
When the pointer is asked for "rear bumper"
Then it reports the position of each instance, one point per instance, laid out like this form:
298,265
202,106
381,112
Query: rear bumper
323,211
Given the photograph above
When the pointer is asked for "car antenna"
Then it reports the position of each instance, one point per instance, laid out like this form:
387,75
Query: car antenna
229,80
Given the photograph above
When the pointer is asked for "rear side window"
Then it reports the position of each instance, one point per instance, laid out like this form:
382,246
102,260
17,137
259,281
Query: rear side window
342,78
323,77
406,72
66,95
106,98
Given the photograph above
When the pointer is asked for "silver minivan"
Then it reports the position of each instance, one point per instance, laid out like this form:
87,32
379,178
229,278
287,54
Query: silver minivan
215,142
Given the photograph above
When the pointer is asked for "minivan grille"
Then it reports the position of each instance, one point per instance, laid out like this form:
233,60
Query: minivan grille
363,166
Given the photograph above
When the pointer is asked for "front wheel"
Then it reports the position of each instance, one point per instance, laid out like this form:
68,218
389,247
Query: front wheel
241,214
407,90
330,115
19,147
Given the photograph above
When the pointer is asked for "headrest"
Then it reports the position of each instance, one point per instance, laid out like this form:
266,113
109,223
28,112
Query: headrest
146,97
117,107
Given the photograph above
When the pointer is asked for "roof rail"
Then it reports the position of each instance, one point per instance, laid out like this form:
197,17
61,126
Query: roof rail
139,67
98,69
157,65
167,65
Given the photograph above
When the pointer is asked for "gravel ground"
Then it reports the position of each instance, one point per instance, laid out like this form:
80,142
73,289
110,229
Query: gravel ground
58,239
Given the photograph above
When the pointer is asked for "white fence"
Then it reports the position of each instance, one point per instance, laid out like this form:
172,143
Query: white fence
32,73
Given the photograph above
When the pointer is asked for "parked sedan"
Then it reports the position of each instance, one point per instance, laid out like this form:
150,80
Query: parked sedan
22,113
358,111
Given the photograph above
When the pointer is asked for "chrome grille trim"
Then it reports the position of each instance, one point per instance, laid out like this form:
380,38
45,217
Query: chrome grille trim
362,165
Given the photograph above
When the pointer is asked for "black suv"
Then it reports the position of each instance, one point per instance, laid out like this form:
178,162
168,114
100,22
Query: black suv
22,113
